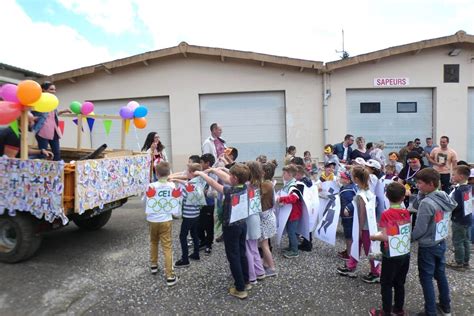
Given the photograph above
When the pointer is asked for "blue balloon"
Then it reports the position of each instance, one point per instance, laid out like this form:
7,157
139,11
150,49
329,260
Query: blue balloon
141,111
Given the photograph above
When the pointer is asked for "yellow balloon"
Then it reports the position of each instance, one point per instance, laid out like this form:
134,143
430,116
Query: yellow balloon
46,103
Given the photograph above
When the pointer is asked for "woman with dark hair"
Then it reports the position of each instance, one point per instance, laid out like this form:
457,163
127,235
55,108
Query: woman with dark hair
290,154
46,127
361,150
154,147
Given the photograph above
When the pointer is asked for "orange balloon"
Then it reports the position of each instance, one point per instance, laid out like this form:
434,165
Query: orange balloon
140,122
28,92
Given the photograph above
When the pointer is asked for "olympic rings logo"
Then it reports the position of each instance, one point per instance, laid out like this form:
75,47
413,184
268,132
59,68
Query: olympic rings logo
442,228
255,204
195,198
166,205
400,244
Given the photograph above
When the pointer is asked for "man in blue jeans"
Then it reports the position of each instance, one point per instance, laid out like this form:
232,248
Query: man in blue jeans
431,229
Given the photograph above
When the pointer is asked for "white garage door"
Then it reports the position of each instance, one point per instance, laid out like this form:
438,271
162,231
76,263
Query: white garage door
254,123
392,115
158,120
470,130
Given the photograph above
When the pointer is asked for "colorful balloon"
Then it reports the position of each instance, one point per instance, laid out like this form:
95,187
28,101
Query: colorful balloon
28,92
46,103
9,111
141,111
87,107
133,105
140,122
9,93
75,107
126,113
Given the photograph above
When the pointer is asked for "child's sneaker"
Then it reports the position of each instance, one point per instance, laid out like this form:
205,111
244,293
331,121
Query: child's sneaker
253,282
181,263
345,271
454,265
172,281
261,277
343,255
248,287
194,256
208,251
239,294
291,254
154,270
444,311
376,312
466,266
270,272
371,278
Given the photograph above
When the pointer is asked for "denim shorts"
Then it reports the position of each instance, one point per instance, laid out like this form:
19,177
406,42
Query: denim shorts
347,226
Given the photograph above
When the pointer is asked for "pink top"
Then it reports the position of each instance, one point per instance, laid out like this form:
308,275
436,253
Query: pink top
49,127
219,147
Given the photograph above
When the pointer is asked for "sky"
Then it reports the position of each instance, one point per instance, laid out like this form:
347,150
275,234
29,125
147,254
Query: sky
51,36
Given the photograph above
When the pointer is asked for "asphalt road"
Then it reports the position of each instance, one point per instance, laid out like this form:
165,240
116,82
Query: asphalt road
106,272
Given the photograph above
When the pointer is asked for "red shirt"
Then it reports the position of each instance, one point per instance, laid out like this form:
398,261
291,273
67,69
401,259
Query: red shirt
296,206
391,219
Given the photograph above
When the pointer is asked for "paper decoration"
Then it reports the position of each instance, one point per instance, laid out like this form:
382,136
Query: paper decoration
355,232
282,213
195,192
61,126
369,200
107,126
90,122
163,198
103,181
75,122
442,224
468,203
311,205
15,129
255,203
239,207
127,126
399,244
34,186
330,208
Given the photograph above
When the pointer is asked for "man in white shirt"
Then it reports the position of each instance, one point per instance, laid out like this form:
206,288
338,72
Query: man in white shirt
214,144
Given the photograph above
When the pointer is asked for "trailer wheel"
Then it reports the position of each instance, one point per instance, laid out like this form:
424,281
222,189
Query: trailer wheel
19,239
93,223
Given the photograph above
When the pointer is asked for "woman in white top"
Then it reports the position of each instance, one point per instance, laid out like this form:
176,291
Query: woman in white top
154,147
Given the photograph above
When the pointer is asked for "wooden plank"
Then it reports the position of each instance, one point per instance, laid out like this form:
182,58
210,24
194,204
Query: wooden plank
24,135
79,131
122,136
95,116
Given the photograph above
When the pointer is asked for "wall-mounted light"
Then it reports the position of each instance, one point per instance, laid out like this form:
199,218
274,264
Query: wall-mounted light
454,52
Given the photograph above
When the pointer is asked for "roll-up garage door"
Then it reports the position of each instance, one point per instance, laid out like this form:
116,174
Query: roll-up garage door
470,130
158,120
254,123
392,115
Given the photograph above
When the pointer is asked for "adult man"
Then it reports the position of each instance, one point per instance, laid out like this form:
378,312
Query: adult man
343,150
444,159
404,152
214,144
428,148
417,147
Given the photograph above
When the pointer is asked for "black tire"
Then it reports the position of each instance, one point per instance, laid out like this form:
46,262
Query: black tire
93,223
19,239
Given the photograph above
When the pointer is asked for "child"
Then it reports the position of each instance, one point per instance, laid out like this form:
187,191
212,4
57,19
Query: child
268,218
329,156
256,271
360,176
328,172
394,221
390,173
190,221
160,223
346,194
234,233
434,208
461,218
293,198
206,215
393,158
303,181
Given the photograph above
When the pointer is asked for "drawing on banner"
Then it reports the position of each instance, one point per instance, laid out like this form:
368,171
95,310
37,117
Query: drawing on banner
239,207
195,192
468,203
399,244
255,204
331,208
370,200
163,199
442,224
355,233
311,203
325,191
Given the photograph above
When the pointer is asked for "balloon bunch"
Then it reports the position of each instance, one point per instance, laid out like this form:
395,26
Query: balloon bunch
17,98
86,108
134,111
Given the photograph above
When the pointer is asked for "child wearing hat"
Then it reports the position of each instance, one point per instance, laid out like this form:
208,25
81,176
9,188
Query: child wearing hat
329,156
346,194
328,173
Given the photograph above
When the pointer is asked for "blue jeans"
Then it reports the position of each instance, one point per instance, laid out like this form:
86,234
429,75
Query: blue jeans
54,143
461,242
291,227
432,264
472,229
189,225
234,242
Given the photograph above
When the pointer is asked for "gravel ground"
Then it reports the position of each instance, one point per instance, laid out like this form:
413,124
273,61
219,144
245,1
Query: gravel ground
106,272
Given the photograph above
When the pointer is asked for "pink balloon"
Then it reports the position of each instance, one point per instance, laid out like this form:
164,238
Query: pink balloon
9,93
133,105
9,111
87,108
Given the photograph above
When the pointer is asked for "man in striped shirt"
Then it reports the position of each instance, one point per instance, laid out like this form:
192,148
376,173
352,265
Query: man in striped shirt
190,211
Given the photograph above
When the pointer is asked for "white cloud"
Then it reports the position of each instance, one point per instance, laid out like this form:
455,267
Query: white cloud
113,16
43,47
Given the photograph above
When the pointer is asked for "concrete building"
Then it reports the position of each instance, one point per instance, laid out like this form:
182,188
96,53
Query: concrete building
266,103
12,74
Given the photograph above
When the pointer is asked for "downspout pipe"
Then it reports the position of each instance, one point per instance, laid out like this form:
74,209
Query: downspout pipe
326,95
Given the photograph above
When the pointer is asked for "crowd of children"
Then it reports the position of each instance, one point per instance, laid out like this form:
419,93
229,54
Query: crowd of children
230,190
